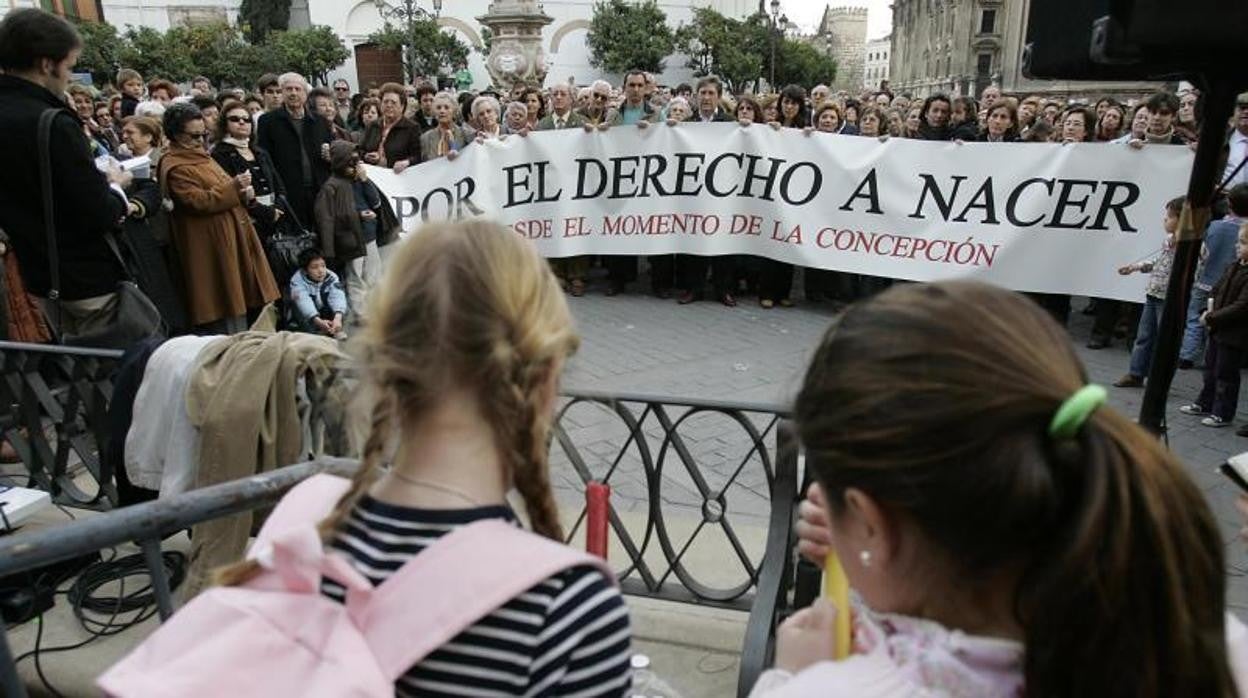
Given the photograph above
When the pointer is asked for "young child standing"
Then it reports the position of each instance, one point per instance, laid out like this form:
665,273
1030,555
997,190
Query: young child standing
347,214
1154,298
131,84
1227,322
320,306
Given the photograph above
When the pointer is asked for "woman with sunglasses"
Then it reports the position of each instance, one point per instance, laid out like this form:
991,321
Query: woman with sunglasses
236,152
222,263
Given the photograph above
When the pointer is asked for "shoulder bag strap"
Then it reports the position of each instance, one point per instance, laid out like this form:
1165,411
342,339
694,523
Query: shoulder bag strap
43,142
1231,176
463,577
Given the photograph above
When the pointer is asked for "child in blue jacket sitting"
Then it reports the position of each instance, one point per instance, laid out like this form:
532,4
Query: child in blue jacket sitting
320,305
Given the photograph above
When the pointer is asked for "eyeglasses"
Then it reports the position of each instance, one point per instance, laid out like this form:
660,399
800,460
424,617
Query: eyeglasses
238,119
599,95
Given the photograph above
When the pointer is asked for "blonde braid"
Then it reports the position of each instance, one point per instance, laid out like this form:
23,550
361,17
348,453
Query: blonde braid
367,474
524,429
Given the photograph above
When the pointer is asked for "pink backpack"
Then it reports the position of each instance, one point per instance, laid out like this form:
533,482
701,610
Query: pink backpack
279,636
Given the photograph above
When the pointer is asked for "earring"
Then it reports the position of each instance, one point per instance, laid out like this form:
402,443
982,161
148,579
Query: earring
865,558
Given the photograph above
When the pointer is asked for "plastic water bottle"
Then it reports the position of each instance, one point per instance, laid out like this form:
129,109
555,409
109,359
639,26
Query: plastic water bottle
647,684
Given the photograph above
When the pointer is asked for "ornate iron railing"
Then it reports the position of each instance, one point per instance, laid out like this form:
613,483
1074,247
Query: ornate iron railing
716,481
54,406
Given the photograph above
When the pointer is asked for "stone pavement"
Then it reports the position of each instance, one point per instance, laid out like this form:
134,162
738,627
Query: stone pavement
639,344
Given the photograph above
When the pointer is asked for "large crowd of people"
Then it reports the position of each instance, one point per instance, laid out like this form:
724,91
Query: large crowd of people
1006,531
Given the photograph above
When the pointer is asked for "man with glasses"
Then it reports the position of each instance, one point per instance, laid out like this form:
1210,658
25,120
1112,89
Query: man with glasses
561,115
596,112
298,142
342,99
573,271
1237,154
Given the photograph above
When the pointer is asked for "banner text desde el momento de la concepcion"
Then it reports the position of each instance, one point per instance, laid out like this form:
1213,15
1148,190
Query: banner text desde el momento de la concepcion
1032,217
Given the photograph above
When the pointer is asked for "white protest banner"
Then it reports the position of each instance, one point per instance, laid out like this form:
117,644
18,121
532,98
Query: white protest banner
1032,217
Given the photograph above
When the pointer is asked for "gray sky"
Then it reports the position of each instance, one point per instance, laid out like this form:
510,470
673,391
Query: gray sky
806,13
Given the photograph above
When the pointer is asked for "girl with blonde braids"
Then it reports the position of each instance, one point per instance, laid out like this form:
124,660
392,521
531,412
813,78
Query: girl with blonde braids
461,358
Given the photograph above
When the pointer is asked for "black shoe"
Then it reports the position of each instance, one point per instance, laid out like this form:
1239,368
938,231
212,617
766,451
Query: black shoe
1098,343
689,297
1242,431
1185,365
663,293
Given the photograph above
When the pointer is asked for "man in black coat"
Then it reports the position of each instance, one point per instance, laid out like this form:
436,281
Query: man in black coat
37,54
298,143
691,269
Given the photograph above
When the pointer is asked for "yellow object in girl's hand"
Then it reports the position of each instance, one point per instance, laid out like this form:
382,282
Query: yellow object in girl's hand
836,590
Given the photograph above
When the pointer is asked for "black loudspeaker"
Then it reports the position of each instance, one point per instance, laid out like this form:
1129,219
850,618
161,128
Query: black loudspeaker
1132,39
1196,33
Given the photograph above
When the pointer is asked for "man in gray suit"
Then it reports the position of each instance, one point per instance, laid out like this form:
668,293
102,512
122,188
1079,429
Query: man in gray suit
561,115
572,271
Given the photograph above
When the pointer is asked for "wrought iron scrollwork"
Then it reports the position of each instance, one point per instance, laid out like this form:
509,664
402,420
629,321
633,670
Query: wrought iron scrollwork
56,406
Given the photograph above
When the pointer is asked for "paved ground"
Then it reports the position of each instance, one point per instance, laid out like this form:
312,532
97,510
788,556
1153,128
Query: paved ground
641,344
637,344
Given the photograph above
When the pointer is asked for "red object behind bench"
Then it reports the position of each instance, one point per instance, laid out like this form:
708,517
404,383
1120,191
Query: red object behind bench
597,503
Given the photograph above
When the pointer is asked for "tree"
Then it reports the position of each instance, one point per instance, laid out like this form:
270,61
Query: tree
732,49
101,51
312,52
487,42
154,55
259,17
426,48
799,63
627,36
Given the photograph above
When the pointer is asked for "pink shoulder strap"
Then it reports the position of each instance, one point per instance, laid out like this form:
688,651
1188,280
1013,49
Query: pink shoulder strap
305,504
463,577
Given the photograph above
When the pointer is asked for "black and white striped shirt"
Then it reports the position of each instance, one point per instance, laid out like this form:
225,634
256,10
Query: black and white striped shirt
567,636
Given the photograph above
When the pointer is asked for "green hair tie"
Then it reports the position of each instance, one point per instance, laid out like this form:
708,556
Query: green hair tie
1075,411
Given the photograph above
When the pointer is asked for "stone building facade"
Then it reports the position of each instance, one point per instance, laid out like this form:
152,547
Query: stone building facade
962,46
875,67
843,33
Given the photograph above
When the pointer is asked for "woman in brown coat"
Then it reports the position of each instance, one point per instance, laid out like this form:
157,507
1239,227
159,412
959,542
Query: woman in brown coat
223,266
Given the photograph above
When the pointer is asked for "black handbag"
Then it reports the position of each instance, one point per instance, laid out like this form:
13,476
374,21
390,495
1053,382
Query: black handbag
135,317
289,240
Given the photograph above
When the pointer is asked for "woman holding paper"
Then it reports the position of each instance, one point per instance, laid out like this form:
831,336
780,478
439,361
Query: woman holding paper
1007,534
236,152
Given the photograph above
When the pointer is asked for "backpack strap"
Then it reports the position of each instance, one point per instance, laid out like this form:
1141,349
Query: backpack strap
463,577
305,504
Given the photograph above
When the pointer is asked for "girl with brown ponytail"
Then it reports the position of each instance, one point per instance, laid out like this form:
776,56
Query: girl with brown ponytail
1005,533
461,357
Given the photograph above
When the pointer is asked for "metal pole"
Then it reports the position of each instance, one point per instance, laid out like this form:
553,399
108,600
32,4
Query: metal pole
1218,107
11,684
160,582
772,81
